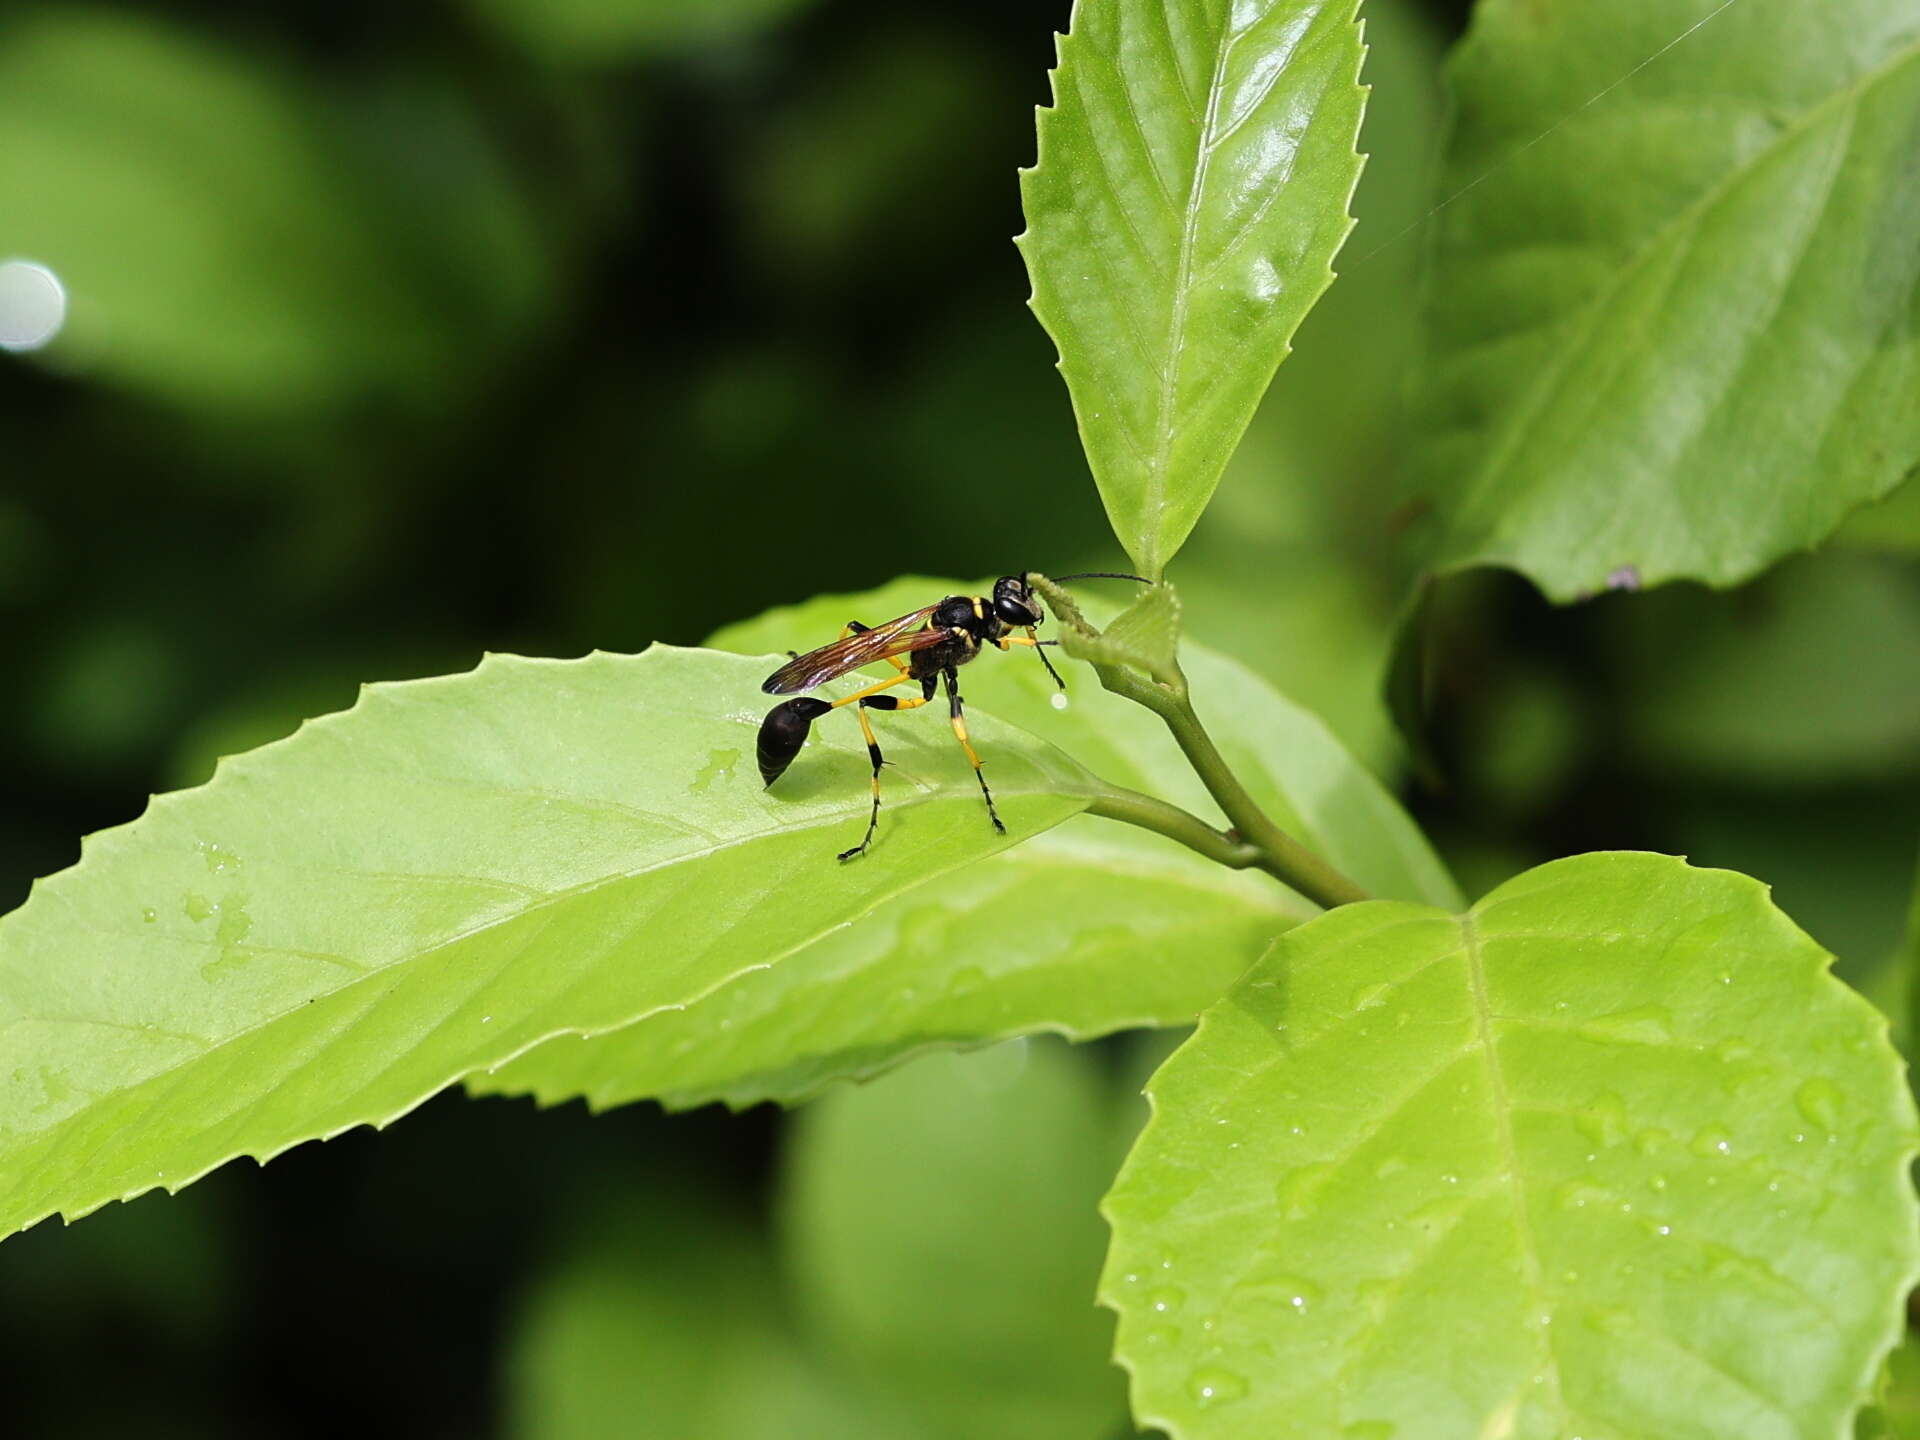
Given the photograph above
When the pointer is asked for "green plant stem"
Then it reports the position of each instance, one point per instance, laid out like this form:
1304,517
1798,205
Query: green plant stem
1176,824
1279,854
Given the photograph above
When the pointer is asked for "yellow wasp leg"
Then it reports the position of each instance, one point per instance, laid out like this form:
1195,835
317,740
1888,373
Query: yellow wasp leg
955,714
902,678
873,754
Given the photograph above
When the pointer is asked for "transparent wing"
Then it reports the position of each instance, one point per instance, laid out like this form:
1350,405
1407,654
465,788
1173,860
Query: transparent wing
816,667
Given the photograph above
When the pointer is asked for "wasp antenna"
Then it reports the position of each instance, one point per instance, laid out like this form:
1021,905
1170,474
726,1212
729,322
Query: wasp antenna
1100,575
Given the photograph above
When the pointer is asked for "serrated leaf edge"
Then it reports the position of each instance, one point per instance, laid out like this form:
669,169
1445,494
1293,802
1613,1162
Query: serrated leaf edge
227,772
1880,1032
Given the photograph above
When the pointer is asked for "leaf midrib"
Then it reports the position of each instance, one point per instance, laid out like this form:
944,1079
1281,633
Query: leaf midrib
1585,319
549,901
1509,1151
1156,496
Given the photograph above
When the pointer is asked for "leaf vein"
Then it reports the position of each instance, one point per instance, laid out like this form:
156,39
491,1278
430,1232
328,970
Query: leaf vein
1509,1153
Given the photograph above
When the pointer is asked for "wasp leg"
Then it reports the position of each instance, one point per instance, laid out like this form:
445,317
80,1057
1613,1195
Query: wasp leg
876,702
783,732
873,754
1008,641
956,713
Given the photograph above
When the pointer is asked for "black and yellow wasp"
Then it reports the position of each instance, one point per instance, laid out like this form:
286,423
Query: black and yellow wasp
936,640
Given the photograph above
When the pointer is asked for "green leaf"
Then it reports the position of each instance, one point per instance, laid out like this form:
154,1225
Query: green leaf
1116,927
1089,928
943,1234
1288,574
1190,194
343,923
1144,637
1612,1154
1675,291
672,1311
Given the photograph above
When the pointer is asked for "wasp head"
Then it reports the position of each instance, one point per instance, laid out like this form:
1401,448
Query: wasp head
1014,602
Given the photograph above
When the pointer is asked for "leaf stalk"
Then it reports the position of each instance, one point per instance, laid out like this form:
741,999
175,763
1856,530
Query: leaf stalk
1271,848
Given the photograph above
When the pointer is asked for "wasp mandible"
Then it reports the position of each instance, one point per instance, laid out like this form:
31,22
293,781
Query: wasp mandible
936,640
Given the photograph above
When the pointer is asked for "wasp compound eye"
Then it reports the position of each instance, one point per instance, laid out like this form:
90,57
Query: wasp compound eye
1015,613
784,731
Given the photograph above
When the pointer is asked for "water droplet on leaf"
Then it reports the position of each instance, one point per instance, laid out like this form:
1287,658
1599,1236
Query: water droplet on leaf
1712,1142
1213,1386
1819,1101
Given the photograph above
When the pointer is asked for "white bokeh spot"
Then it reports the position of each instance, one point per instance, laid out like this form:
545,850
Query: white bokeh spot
33,305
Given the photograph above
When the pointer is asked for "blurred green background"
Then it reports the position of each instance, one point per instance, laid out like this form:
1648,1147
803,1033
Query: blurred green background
396,334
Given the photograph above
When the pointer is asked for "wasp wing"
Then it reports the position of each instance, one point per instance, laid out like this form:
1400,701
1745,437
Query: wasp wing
816,667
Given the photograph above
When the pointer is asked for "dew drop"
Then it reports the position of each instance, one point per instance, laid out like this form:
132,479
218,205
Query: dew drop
1712,1142
149,914
197,907
1299,1192
1643,1025
1368,996
1166,1300
1604,1122
1278,1294
1213,1386
1819,1101
1161,1337
1608,1320
219,861
1579,1194
719,766
1059,700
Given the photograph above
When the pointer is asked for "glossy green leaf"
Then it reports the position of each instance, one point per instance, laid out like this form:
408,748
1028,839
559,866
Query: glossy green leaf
1675,290
1090,928
344,922
666,1323
943,1234
1611,1154
1117,927
1190,194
